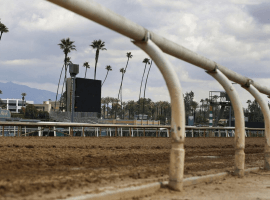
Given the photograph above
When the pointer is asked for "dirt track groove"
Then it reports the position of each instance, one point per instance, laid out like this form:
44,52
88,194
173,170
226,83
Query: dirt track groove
47,167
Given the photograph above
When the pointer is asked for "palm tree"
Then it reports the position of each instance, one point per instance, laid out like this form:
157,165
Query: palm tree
146,84
128,56
108,68
122,70
98,45
66,60
67,47
201,106
146,61
86,65
3,29
23,95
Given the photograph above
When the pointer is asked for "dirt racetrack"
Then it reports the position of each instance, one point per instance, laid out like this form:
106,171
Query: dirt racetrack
53,168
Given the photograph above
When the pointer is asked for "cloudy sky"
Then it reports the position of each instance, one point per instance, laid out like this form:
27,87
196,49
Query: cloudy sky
234,33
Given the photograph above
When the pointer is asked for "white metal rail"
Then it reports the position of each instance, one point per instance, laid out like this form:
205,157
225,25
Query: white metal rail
109,19
102,15
28,128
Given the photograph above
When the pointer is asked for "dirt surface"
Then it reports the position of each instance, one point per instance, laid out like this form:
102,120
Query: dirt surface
56,168
254,186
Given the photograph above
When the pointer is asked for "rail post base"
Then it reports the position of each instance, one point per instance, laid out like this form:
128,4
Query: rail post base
267,160
239,163
177,158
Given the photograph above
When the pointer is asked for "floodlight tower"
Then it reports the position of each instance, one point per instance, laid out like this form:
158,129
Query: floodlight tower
73,70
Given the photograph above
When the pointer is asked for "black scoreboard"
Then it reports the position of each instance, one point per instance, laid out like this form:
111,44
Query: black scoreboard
87,95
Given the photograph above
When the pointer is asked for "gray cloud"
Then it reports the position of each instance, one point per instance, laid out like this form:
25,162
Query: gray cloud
260,12
224,32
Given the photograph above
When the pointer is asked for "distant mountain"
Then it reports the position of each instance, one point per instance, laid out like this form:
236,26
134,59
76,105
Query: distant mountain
13,91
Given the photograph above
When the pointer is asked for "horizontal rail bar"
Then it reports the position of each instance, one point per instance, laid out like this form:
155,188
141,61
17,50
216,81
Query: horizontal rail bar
30,132
101,15
61,124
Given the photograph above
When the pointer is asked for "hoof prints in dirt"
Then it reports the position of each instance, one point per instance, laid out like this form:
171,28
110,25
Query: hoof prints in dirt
31,165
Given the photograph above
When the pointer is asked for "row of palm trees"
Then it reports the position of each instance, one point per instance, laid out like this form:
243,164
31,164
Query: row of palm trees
3,29
67,46
123,71
111,108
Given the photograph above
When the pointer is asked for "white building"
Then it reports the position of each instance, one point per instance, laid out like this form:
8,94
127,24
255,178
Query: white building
15,105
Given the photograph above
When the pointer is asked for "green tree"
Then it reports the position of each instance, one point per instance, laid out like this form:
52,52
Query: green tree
129,55
108,68
31,112
115,107
98,45
86,65
188,99
131,107
43,115
147,103
254,112
3,29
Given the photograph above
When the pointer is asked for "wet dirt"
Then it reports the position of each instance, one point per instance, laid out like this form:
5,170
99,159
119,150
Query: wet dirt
55,168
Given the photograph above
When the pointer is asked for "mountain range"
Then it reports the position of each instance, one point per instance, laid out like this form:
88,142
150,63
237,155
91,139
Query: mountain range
13,91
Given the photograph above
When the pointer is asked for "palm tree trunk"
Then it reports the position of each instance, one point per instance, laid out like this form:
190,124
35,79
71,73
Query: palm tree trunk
120,89
97,54
62,103
143,107
122,101
105,77
65,80
142,80
107,110
58,86
1,35
85,72
123,78
146,84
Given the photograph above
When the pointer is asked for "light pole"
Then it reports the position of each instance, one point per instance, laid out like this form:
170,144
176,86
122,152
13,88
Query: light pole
73,70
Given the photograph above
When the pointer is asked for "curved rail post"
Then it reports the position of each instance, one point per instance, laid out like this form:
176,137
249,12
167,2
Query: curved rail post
239,138
266,114
177,155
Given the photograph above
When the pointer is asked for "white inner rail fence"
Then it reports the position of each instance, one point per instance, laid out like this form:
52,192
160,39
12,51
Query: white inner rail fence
155,46
109,130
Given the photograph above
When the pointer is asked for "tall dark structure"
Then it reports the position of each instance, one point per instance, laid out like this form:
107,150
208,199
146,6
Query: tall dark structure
87,95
